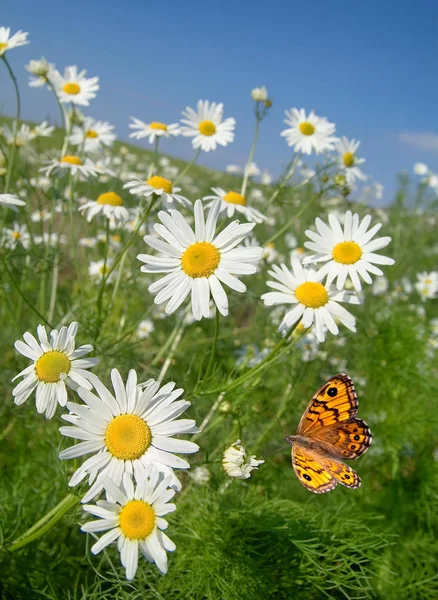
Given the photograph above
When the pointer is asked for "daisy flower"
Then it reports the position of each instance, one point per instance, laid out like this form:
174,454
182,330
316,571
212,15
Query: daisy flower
97,269
20,139
308,133
197,262
259,94
130,432
316,303
232,202
41,71
207,127
93,135
347,252
427,285
74,87
109,204
42,130
237,464
11,200
8,41
135,520
153,130
160,187
55,364
145,328
348,161
18,234
73,164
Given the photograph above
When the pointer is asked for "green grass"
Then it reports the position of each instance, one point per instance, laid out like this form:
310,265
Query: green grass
266,537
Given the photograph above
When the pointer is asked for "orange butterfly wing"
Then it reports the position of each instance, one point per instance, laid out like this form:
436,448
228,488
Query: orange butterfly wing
335,402
319,473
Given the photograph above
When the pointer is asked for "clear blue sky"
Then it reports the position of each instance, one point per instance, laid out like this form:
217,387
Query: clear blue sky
371,67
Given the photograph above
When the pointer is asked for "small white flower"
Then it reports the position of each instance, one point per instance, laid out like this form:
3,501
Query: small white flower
160,187
197,262
74,87
348,252
200,475
8,41
380,286
42,130
232,202
259,94
207,127
421,169
109,204
93,135
348,161
308,133
145,328
16,235
152,130
237,464
73,164
56,363
20,139
135,520
98,269
128,432
315,304
427,285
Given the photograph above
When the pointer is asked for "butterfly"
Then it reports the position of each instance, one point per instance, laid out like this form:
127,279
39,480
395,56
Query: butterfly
327,433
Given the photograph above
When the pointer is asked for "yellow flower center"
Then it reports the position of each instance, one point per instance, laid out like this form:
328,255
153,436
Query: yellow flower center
235,198
137,519
50,365
307,128
160,183
200,260
158,126
428,281
110,198
104,270
116,239
3,46
207,128
91,134
71,160
128,437
349,159
16,235
312,294
72,88
347,253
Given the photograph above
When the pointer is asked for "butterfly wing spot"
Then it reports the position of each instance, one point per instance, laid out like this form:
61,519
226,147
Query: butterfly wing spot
332,392
309,468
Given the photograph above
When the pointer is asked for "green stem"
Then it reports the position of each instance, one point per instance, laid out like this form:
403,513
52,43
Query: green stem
188,166
251,156
45,524
72,229
288,174
173,347
29,304
12,148
213,349
54,289
104,279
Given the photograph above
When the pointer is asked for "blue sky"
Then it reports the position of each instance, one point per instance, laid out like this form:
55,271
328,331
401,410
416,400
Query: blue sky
369,67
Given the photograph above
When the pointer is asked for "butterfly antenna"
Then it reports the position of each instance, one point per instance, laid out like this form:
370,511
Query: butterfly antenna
270,450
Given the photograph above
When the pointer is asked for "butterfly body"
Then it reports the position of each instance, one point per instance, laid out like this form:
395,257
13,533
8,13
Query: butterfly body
327,433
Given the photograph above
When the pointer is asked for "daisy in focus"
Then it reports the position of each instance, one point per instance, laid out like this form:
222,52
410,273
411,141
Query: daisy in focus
236,463
316,304
310,133
160,186
347,252
154,130
74,87
207,126
128,432
55,364
110,205
72,164
198,262
93,135
8,41
232,202
135,520
348,161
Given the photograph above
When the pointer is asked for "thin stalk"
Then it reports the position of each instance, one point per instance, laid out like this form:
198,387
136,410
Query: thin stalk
104,278
288,174
12,148
172,350
251,156
45,524
72,229
188,166
54,289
